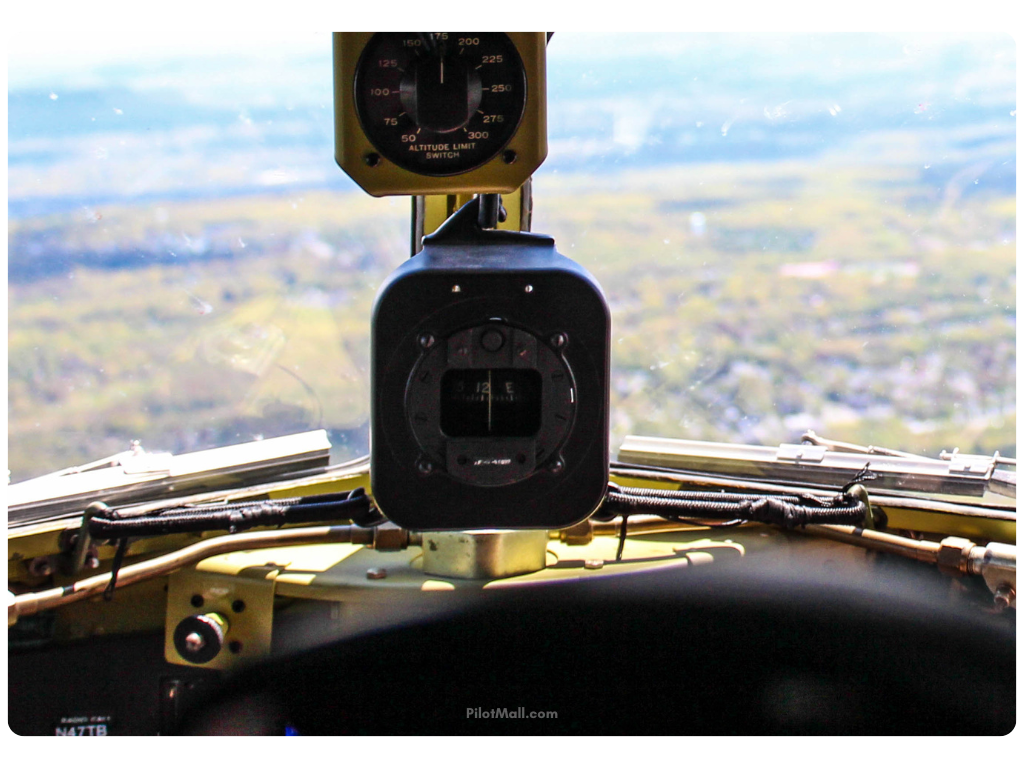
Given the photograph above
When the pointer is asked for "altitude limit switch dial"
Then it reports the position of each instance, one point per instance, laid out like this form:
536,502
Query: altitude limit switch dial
429,112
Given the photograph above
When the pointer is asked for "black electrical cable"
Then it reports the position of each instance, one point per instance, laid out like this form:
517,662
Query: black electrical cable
787,510
122,548
622,538
353,505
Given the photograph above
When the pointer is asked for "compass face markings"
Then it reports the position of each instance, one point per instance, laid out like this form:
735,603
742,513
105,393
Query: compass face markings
502,402
440,103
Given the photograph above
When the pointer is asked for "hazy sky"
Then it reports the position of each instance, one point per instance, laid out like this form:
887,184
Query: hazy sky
75,59
70,60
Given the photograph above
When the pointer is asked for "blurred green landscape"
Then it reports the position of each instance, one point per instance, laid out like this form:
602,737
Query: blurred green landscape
750,302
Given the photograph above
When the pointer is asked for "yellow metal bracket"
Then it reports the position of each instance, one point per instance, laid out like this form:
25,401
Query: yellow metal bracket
431,211
245,602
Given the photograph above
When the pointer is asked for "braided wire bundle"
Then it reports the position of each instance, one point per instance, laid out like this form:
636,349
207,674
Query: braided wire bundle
238,516
786,510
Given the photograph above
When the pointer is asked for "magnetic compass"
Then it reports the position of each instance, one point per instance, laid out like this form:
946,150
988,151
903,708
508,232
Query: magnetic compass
490,356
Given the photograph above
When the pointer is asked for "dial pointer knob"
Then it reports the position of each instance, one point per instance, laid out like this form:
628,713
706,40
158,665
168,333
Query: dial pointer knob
440,94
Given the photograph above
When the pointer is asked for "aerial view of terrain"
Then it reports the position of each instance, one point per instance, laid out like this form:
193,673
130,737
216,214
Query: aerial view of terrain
813,232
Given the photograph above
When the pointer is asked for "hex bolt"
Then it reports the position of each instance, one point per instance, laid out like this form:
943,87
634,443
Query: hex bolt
557,465
40,566
1004,597
427,340
376,574
559,340
528,289
424,467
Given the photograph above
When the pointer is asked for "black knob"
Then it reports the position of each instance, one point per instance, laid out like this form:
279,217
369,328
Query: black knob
199,638
440,93
492,340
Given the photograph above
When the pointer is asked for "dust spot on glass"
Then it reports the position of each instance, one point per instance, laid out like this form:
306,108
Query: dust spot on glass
777,113
199,305
698,222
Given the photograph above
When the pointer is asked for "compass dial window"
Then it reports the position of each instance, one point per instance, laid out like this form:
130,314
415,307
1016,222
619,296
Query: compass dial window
494,402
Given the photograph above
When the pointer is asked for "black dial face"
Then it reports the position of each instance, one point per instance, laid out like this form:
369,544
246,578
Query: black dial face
491,404
440,103
494,402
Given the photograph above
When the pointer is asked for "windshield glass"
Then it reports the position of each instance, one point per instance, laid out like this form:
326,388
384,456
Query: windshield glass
794,232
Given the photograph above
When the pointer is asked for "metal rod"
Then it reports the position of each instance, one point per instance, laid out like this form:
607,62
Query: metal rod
490,206
33,602
925,551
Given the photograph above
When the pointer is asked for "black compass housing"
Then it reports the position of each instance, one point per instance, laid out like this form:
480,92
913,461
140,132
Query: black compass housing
490,379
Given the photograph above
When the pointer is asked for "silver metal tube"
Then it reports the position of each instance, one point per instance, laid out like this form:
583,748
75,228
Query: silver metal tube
33,602
926,551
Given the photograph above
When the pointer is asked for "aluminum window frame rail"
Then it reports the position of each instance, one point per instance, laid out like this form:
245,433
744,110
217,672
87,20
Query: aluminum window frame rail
141,477
808,463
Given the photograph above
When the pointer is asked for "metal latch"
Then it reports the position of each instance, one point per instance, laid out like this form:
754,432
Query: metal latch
801,453
968,464
147,463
